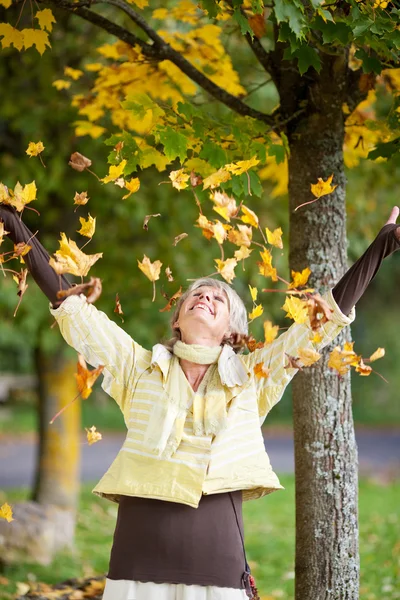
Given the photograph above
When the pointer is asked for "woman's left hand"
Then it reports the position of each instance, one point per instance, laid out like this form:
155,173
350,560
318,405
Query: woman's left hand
393,218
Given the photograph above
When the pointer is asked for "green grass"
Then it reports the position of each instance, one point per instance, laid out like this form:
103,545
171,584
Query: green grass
269,528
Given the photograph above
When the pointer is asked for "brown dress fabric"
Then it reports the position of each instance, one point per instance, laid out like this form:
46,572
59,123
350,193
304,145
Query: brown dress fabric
166,542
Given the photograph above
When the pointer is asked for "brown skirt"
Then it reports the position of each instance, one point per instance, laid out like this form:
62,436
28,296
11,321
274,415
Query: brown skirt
166,542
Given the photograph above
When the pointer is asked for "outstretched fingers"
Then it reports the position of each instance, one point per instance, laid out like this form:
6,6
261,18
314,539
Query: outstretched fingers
393,215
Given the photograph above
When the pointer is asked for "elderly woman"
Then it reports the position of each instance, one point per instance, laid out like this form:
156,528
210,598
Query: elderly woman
193,409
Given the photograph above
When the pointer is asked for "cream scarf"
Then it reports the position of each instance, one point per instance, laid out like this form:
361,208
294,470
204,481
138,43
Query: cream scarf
168,414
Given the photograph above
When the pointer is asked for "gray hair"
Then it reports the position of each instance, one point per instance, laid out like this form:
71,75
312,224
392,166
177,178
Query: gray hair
237,310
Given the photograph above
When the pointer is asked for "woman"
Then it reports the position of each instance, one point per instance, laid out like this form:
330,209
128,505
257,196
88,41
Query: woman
193,409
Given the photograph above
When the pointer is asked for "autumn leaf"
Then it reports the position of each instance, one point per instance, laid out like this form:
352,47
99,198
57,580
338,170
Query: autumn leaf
20,280
265,267
79,162
87,226
249,217
316,338
363,369
132,186
206,226
21,196
34,149
224,205
61,84
379,353
70,259
322,188
308,356
341,360
296,309
241,236
261,371
172,301
11,35
179,179
85,379
270,331
253,293
215,179
319,312
81,199
151,270
3,232
195,180
45,18
242,166
118,307
6,512
226,268
256,312
93,436
219,232
257,24
74,74
300,278
168,274
36,37
147,219
21,249
274,237
179,237
293,362
242,253
114,172
92,289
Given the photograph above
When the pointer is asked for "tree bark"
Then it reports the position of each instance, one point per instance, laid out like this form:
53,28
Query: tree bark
327,564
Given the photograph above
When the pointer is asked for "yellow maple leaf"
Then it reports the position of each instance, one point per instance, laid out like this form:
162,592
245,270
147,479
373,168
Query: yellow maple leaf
93,436
87,227
316,338
21,196
363,369
322,188
139,3
241,236
300,278
36,37
308,356
265,267
179,179
206,226
219,232
379,353
249,217
70,259
45,18
85,378
274,237
34,148
75,74
226,268
261,371
256,312
11,35
341,360
242,166
215,179
296,309
242,253
151,270
6,512
3,232
270,331
224,205
132,186
253,293
61,84
114,172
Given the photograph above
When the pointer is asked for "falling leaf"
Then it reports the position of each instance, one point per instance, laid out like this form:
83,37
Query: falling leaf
219,232
296,309
319,311
363,369
242,253
81,199
172,301
308,356
293,363
120,182
253,293
114,172
270,331
322,188
151,270
341,360
85,378
316,338
6,512
21,249
179,237
132,186
87,227
20,196
118,307
206,226
241,236
34,149
224,205
75,74
93,436
300,278
92,289
147,219
261,371
241,166
249,216
168,273
45,18
379,353
215,179
274,237
20,280
179,179
79,162
3,232
265,267
256,312
195,180
226,268
61,84
70,259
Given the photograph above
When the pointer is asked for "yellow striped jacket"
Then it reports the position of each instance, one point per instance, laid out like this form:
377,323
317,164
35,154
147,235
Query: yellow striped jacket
235,458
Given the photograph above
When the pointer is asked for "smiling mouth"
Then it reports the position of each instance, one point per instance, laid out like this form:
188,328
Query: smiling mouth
203,307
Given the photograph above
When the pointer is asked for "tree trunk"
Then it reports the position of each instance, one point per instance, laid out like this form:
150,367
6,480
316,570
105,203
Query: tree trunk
327,564
57,469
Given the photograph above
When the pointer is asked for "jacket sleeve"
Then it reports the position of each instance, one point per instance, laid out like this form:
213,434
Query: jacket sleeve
102,342
270,389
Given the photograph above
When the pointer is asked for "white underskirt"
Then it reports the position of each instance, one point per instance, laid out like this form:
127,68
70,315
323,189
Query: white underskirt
122,589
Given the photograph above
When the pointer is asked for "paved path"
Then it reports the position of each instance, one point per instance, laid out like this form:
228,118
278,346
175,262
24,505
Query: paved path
379,454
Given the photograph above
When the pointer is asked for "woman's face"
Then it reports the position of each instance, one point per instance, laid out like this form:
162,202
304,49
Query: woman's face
204,317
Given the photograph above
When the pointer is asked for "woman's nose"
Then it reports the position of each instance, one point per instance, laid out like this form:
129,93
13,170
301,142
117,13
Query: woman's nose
206,296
